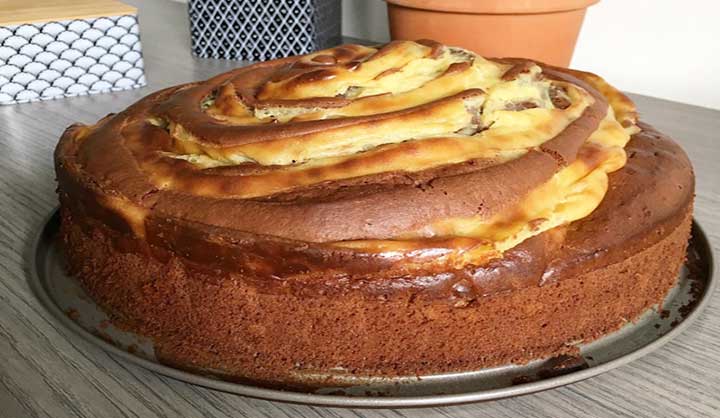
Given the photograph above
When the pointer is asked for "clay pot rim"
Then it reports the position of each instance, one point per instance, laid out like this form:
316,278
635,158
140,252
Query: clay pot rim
495,6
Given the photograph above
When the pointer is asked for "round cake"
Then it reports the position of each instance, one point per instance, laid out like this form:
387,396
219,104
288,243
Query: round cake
409,209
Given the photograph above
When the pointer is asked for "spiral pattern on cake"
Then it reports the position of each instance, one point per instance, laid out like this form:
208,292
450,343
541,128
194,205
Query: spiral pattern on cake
411,152
369,212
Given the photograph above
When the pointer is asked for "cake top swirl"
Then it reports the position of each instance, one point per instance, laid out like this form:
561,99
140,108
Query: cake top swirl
377,149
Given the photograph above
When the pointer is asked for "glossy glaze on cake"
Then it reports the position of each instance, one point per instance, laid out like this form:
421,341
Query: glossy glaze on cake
412,208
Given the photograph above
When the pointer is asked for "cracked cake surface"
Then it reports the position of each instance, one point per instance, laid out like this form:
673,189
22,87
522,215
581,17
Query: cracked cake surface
411,182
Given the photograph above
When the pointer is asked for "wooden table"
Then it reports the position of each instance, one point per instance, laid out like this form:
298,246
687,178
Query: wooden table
47,371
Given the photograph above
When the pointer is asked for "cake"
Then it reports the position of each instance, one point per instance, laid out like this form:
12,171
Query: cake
401,210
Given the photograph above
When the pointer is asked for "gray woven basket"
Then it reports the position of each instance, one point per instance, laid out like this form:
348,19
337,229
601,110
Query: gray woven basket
259,30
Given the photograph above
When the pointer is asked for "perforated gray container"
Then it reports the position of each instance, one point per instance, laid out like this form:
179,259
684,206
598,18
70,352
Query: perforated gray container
258,30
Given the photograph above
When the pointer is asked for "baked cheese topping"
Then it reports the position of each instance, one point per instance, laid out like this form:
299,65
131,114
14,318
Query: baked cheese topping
356,112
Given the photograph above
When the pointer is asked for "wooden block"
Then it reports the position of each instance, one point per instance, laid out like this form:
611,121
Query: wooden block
16,12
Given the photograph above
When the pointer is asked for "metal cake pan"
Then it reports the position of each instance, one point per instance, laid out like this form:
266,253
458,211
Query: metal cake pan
62,296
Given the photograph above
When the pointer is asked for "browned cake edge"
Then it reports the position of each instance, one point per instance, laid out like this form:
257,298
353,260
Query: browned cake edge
201,319
201,322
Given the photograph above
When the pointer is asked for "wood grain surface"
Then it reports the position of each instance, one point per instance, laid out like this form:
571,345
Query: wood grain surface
17,12
45,371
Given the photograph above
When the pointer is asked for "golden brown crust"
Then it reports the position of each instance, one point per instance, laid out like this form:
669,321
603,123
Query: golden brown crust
199,321
128,156
654,184
406,209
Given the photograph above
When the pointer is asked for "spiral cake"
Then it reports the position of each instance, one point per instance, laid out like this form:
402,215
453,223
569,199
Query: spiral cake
373,211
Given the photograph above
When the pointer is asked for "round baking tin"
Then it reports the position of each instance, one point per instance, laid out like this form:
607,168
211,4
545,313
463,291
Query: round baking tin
63,297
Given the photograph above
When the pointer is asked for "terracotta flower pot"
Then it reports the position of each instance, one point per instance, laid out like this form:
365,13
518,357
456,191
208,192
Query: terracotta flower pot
545,30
